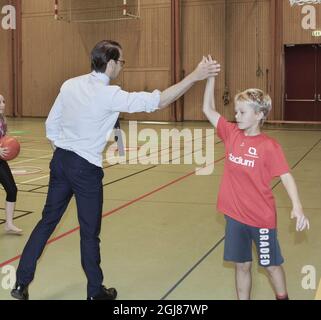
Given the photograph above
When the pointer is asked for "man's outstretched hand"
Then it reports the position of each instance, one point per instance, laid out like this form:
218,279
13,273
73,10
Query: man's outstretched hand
207,68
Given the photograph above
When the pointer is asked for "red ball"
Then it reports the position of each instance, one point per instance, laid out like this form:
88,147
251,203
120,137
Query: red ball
13,147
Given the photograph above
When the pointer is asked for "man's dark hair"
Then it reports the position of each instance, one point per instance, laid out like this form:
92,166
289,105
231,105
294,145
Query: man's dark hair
103,52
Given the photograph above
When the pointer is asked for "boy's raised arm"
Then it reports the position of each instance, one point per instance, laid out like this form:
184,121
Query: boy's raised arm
209,102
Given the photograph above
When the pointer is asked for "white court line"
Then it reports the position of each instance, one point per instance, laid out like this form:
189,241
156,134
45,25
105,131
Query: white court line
32,180
29,160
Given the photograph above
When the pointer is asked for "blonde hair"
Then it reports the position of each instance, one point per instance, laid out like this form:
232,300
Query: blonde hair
258,100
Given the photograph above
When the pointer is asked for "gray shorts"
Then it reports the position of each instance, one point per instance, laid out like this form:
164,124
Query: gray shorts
238,244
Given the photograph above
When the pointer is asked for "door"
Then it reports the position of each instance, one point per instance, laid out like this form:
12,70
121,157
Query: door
301,82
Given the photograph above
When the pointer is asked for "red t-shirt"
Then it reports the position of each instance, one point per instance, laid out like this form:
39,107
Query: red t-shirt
251,162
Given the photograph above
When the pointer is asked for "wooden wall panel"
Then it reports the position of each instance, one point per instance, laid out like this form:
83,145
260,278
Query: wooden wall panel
240,42
55,51
6,73
150,57
37,7
147,80
249,47
276,79
293,31
51,54
202,33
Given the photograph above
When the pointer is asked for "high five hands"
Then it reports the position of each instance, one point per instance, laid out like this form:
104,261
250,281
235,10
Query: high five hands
207,68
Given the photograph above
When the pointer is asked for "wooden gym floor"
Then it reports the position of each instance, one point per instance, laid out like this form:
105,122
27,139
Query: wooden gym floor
161,236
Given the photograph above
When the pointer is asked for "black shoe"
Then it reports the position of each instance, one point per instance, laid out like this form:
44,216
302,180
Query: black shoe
105,294
20,292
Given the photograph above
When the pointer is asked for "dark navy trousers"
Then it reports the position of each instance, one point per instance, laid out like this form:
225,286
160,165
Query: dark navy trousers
70,175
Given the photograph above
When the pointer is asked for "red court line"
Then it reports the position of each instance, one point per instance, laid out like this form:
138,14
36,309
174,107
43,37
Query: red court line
127,204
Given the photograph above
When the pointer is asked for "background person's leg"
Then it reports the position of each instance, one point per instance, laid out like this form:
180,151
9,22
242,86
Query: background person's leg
9,185
9,226
277,278
243,279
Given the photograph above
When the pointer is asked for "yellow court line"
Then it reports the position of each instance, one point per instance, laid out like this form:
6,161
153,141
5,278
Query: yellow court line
318,294
38,150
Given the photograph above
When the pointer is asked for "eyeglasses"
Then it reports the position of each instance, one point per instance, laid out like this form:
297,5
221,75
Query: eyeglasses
122,62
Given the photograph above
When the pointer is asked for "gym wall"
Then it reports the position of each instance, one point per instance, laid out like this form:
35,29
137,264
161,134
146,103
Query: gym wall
236,32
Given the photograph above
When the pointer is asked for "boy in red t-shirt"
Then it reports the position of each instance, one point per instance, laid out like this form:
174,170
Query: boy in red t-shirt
252,160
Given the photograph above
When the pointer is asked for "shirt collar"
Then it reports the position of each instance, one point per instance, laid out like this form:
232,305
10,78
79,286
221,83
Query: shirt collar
101,76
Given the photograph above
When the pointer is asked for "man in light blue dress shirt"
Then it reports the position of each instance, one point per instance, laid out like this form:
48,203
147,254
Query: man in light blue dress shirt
78,126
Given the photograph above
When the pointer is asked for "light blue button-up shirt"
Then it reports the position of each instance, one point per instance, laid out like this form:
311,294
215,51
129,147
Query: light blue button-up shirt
86,110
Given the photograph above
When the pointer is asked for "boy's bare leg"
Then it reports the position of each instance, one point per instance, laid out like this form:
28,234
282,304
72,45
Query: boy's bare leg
9,226
277,277
243,280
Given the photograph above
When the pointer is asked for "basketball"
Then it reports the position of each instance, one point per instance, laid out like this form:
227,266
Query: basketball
13,147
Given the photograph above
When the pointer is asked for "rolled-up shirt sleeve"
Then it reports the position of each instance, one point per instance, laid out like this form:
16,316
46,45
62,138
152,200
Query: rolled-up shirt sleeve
122,101
53,122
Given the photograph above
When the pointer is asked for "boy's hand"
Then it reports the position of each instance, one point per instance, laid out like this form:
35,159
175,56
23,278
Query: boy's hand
206,68
302,221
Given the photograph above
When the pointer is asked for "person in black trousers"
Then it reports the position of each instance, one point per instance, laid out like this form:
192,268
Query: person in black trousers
6,177
78,126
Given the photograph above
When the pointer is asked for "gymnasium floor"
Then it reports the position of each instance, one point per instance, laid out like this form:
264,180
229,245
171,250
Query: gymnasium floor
161,236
